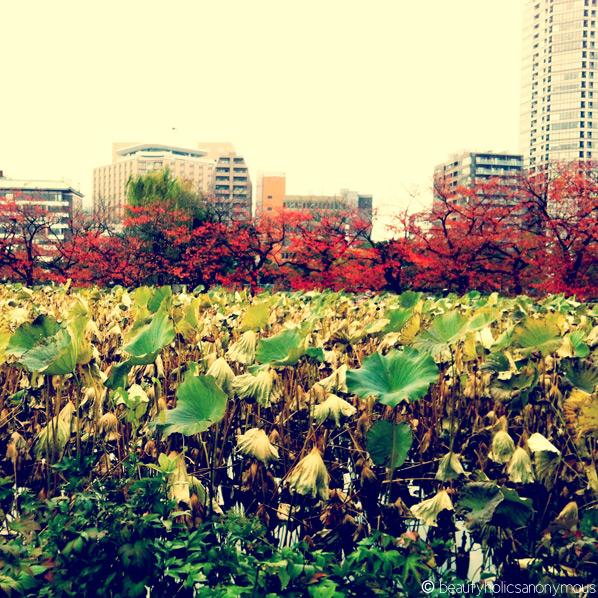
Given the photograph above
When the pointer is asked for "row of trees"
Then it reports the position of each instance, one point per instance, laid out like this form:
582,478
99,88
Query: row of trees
536,236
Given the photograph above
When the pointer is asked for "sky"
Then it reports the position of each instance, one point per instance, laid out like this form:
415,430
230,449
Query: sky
335,94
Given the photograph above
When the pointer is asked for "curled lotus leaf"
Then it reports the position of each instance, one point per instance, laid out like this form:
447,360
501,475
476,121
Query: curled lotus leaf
333,408
449,468
243,350
537,442
256,443
222,373
178,480
310,476
56,434
520,468
503,447
428,510
257,388
337,381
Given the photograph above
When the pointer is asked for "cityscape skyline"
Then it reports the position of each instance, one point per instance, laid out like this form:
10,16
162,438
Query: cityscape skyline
333,95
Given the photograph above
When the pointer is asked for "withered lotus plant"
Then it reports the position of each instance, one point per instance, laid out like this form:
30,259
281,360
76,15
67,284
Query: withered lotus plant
310,476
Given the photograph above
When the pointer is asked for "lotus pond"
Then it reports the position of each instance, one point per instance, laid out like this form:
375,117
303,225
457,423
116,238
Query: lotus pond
325,417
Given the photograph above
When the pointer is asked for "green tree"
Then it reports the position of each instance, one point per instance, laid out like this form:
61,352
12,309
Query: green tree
160,186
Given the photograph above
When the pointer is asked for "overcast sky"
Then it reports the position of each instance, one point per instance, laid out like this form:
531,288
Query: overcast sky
366,96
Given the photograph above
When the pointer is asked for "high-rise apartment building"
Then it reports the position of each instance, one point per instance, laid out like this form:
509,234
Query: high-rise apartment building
135,159
232,185
558,121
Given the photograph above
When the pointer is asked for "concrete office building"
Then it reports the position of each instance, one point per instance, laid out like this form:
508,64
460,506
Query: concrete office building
58,200
270,191
558,121
135,159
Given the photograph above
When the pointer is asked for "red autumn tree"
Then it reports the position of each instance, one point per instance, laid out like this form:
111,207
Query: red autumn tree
472,238
332,249
28,234
561,211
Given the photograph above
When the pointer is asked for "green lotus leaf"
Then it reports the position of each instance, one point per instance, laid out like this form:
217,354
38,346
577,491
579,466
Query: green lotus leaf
482,319
409,299
284,348
150,339
316,353
446,330
577,338
397,318
52,355
478,501
398,376
143,348
256,317
47,347
388,443
158,296
29,334
142,295
538,335
573,345
516,389
582,375
188,321
513,511
200,404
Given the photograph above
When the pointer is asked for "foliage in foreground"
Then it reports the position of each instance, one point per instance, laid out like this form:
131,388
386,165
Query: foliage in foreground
328,417
119,537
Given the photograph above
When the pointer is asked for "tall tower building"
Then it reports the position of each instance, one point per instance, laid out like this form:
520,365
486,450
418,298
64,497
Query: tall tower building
558,81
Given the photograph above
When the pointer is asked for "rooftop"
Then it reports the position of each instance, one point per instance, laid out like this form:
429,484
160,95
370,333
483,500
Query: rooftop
158,147
24,185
